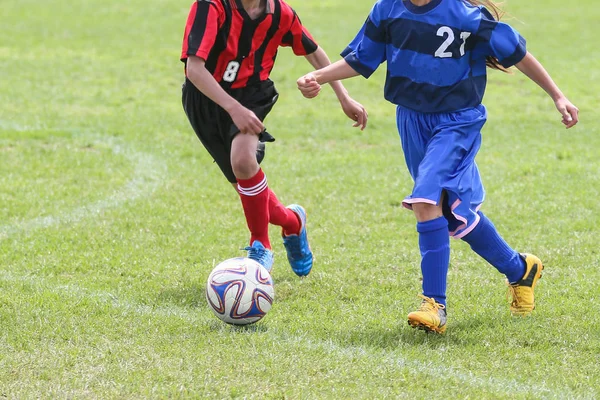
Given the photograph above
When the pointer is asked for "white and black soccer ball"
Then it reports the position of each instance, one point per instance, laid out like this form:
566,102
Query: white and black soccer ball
240,291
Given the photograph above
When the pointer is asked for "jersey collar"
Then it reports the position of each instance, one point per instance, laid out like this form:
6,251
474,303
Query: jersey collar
423,9
270,9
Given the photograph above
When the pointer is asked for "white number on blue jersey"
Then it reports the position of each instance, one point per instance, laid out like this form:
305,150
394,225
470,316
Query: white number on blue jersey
448,33
441,51
464,36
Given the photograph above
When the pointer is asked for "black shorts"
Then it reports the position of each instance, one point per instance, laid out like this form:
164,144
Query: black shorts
214,126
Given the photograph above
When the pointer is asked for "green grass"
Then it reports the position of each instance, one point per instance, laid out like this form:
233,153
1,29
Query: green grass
112,216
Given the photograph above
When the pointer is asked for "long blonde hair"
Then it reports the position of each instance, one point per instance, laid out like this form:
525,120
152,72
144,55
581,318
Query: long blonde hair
497,13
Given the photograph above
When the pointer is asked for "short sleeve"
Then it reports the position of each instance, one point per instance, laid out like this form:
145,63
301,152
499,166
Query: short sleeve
298,38
367,50
501,40
203,23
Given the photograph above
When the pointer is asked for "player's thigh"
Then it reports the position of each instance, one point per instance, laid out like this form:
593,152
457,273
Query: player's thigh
453,146
260,99
210,126
426,211
414,136
243,155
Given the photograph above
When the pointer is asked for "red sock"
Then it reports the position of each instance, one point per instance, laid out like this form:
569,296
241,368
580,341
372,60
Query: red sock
283,216
254,194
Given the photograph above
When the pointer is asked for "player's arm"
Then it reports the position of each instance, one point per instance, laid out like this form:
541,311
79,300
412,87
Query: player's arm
506,44
243,118
203,23
332,73
362,57
354,110
302,43
537,73
318,60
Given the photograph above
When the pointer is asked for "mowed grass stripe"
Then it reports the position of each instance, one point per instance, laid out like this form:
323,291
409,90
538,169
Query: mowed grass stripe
392,361
110,304
149,171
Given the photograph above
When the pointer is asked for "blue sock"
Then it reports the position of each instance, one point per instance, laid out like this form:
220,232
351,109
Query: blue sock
487,242
434,244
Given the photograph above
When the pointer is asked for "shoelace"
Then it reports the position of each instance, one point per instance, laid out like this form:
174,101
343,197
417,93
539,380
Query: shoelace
512,292
429,304
258,255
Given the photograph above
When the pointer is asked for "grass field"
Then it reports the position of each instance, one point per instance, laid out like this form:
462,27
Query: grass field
112,216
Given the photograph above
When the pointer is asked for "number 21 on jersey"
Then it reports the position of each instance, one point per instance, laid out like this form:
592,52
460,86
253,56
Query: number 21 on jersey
448,33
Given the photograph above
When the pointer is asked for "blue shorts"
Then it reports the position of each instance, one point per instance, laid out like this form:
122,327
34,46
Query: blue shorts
440,150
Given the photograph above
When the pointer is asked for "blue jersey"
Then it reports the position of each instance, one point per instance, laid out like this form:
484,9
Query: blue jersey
436,54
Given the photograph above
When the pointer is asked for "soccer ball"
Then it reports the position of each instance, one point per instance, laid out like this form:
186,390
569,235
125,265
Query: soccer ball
240,291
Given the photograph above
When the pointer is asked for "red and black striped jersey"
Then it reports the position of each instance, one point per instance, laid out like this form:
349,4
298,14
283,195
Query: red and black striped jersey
238,50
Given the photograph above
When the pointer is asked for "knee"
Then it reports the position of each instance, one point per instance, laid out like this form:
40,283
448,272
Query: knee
427,212
244,164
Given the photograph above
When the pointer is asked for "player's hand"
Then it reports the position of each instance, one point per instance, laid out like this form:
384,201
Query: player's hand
309,86
569,112
355,111
246,121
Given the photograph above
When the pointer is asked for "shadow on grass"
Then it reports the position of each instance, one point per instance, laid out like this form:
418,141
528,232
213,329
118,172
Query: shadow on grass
219,326
459,333
192,296
387,336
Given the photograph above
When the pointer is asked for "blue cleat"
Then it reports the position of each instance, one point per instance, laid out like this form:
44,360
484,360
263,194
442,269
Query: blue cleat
298,250
260,254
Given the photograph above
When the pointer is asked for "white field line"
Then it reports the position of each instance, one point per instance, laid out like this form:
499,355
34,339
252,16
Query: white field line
149,172
504,388
499,387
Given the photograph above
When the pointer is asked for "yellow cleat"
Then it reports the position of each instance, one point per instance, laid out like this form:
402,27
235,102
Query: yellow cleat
430,317
523,301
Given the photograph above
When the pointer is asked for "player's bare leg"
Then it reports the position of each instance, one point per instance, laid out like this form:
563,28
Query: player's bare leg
254,194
